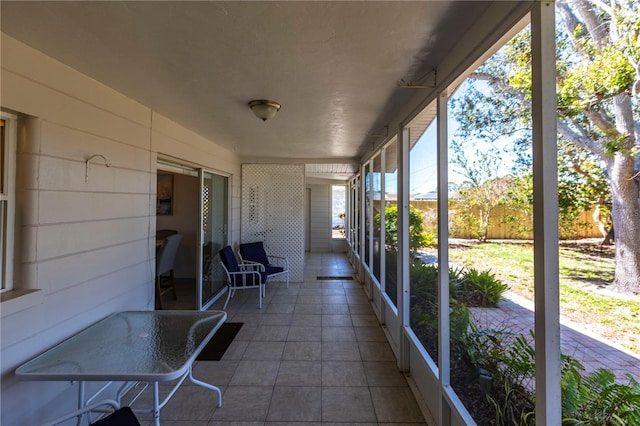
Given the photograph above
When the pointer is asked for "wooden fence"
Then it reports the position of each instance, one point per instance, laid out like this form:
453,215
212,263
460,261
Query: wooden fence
500,228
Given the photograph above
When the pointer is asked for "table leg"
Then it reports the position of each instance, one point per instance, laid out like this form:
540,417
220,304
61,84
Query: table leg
206,385
156,404
80,401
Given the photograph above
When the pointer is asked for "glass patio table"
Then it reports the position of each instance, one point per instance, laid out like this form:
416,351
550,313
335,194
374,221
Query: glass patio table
132,346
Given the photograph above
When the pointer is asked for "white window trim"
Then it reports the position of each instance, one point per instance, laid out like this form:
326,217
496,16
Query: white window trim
7,217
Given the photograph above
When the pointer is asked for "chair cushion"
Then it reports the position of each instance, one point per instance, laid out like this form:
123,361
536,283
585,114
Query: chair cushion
271,270
254,252
122,417
229,259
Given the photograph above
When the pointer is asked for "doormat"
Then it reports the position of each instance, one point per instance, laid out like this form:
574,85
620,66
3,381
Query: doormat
334,278
220,342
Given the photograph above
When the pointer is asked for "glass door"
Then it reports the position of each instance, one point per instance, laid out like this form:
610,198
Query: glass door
214,208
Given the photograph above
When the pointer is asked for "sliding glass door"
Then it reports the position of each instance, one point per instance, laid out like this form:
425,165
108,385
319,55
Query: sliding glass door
214,210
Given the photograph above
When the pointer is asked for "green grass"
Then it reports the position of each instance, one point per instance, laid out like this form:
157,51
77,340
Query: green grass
585,270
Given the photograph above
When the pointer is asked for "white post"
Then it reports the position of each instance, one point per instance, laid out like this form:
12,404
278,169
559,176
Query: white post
403,246
381,238
363,241
444,353
545,215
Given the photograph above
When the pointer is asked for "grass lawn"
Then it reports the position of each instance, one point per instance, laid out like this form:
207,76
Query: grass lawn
586,271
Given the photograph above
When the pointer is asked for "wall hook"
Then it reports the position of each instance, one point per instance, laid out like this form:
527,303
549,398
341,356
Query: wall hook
86,168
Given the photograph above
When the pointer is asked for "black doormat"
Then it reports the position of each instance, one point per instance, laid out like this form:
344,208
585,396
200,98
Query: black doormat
336,278
220,341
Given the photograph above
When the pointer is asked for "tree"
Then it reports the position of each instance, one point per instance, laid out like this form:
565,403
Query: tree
598,83
481,191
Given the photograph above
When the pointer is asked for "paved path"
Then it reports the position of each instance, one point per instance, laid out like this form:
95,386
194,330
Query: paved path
591,350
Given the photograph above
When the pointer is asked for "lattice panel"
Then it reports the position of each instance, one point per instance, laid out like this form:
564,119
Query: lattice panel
273,211
205,210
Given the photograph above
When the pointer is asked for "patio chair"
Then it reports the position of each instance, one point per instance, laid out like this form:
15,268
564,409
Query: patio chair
274,265
242,276
165,260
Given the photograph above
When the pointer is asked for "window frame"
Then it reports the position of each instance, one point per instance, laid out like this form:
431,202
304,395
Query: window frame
7,198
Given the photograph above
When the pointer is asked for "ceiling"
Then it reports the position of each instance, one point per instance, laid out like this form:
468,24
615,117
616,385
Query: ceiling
334,66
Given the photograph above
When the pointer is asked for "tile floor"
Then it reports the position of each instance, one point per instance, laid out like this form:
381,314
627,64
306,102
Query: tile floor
314,355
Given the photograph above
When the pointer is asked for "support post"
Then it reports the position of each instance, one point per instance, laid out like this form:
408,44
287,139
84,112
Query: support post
545,215
403,247
444,335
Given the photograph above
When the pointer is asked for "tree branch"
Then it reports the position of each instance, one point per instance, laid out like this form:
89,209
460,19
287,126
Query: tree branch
571,23
502,84
586,142
597,118
600,120
603,6
594,25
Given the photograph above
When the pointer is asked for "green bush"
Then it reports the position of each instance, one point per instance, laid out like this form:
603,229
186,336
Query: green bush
424,306
481,288
418,237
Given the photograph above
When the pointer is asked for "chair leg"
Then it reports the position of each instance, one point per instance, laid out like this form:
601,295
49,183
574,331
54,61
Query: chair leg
158,294
228,297
173,286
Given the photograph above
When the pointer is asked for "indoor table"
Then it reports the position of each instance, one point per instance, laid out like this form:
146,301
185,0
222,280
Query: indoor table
132,346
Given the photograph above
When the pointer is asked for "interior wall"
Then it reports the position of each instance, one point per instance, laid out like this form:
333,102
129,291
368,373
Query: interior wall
87,247
320,218
185,220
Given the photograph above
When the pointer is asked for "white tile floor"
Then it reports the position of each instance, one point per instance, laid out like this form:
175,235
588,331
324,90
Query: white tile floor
314,355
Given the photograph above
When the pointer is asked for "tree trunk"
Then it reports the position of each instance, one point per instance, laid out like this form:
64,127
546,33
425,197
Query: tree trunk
625,193
626,222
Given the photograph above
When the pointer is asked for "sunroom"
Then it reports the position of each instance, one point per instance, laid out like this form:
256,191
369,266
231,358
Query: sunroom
107,105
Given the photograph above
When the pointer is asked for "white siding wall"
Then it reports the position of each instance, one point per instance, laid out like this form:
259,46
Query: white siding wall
320,218
86,247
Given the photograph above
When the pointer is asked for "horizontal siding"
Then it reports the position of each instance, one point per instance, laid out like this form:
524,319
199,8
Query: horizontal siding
52,105
88,245
59,77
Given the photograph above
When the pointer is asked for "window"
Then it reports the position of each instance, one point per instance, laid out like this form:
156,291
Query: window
338,211
8,132
390,225
376,215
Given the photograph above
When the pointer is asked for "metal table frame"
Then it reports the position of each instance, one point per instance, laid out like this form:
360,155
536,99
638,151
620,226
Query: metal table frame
130,347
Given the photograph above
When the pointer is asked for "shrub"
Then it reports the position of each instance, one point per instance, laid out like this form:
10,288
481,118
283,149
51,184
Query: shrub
598,399
424,306
481,288
418,237
508,358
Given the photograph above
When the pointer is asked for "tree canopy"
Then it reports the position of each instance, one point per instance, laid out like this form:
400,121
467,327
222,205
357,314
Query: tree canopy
598,85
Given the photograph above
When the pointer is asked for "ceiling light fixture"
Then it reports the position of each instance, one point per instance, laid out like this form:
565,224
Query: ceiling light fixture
264,109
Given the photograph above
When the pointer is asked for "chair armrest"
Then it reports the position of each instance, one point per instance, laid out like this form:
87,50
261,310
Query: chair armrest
249,265
245,274
281,261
